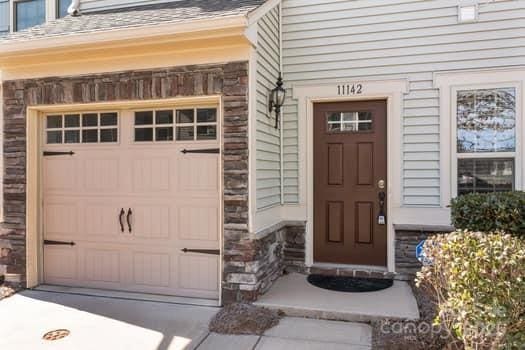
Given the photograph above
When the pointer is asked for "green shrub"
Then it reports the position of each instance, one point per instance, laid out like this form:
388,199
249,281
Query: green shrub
490,212
479,283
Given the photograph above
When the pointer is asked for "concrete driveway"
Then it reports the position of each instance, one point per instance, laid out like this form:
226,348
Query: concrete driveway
105,323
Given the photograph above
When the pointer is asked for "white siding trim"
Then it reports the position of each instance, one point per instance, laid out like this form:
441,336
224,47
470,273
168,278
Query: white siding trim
306,96
281,127
449,83
262,10
252,139
1,150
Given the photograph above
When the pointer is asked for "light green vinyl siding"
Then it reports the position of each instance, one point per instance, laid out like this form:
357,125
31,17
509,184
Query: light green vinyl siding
268,139
395,39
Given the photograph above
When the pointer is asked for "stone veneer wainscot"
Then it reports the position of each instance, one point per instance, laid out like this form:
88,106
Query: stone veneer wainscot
229,80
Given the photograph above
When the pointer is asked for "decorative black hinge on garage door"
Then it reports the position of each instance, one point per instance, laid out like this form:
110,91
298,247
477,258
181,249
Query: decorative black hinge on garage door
202,251
207,150
49,242
53,153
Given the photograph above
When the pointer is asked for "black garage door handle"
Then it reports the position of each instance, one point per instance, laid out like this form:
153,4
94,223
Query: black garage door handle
50,242
202,251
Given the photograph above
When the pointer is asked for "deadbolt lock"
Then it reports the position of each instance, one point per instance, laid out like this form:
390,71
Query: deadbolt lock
381,184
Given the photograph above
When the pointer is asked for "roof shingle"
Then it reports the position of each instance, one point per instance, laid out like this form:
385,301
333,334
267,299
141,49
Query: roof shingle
139,16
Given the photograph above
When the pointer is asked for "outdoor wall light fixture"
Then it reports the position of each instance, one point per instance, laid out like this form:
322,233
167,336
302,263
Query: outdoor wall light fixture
277,96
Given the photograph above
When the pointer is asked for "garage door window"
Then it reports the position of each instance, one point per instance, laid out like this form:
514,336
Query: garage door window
190,124
82,128
197,124
154,126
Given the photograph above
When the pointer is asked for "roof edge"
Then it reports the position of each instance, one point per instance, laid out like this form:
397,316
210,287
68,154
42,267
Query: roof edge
126,33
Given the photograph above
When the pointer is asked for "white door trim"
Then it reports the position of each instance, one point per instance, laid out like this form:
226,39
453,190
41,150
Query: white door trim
390,90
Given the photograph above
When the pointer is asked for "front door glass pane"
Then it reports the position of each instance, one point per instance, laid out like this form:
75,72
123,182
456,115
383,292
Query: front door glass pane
348,121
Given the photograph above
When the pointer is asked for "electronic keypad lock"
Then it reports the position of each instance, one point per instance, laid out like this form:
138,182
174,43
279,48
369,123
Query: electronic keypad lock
381,217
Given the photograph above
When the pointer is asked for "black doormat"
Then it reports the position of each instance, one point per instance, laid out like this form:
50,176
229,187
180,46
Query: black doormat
349,284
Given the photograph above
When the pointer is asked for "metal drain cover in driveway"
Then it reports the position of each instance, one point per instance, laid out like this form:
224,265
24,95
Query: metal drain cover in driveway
56,334
349,284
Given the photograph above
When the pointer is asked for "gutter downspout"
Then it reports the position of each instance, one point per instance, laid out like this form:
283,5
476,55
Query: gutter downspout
74,8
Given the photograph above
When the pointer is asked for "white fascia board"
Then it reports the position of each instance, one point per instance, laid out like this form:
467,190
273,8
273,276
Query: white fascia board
251,32
127,33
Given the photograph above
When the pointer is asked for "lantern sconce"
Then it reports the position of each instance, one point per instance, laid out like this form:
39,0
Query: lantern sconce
277,96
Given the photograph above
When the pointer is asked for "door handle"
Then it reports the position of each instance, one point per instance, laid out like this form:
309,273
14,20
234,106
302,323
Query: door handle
202,251
128,219
122,212
50,242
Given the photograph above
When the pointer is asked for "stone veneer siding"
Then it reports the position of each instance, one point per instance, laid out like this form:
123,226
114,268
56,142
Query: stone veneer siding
272,251
229,80
407,264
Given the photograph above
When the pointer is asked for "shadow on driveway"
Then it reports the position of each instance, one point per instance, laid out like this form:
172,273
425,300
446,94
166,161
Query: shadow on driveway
100,323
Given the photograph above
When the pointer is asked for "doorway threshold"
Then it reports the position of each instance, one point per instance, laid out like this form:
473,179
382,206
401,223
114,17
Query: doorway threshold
350,267
103,293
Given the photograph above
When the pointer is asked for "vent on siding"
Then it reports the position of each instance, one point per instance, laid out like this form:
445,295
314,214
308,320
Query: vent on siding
468,13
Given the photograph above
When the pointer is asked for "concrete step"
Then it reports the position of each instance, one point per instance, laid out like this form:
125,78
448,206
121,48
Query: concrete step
293,295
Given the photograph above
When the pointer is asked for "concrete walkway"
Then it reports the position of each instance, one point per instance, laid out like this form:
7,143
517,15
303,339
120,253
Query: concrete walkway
298,333
105,323
296,297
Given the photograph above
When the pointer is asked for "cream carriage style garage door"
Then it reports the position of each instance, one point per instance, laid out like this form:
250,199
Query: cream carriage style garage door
131,201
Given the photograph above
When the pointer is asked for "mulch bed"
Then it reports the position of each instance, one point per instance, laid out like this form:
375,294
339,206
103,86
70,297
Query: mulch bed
244,319
414,335
6,291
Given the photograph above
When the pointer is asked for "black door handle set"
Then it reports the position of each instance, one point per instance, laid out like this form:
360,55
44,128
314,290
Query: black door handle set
128,219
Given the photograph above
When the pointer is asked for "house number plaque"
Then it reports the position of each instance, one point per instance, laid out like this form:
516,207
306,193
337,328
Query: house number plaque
349,89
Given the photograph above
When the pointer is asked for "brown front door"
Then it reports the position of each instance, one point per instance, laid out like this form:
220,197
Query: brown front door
349,180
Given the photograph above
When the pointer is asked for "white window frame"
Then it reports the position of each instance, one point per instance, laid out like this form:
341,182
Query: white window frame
53,8
50,14
449,84
216,123
354,122
81,128
7,27
483,155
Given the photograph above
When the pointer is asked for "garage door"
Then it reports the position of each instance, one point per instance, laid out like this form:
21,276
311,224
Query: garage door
131,201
